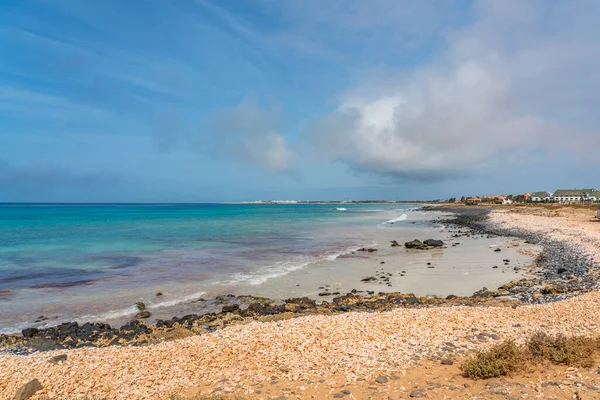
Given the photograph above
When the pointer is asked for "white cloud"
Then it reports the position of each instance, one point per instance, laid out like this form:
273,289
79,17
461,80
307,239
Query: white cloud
513,80
249,133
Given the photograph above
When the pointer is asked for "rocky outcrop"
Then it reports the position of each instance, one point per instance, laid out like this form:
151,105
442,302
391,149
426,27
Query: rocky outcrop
425,245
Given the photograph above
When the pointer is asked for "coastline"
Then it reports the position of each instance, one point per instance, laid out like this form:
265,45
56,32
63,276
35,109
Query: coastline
407,327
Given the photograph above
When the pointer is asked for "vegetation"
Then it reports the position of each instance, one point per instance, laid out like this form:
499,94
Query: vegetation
499,360
506,358
574,351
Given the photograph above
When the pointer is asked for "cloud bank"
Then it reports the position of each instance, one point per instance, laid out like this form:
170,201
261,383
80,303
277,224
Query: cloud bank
508,84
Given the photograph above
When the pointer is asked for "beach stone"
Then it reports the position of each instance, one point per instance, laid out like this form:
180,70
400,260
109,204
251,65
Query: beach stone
415,244
395,243
29,332
58,359
368,279
381,379
159,294
492,384
230,308
28,390
324,294
434,243
415,394
498,250
143,314
485,292
447,361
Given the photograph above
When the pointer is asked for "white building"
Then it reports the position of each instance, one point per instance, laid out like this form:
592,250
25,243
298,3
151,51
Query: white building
576,195
541,196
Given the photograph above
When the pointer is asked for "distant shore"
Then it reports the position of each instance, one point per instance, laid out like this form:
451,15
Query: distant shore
296,343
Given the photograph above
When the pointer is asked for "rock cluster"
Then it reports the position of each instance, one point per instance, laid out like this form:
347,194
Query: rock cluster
425,245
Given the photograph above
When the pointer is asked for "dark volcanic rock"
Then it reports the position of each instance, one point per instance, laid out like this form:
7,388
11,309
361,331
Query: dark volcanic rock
369,279
143,314
367,250
427,244
29,332
415,244
304,302
231,308
433,243
485,292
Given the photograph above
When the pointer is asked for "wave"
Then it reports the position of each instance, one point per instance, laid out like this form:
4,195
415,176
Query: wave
285,267
112,314
397,219
184,299
341,209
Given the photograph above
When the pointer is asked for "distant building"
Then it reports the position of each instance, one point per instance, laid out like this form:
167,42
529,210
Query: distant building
541,196
473,201
576,195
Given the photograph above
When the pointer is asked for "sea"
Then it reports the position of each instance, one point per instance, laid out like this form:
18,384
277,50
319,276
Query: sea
63,262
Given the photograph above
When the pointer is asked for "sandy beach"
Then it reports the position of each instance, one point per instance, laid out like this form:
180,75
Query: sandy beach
400,353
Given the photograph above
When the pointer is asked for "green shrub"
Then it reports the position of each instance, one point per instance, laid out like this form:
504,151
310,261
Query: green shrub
574,351
499,360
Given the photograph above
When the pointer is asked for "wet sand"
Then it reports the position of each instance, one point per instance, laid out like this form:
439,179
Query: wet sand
457,270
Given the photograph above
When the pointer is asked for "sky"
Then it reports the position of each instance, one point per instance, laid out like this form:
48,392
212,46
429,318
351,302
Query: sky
209,101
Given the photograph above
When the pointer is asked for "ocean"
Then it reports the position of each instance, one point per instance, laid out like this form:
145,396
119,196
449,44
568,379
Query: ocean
63,262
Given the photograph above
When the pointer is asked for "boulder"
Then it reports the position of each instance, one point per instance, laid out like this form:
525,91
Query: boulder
29,332
28,390
433,243
143,314
415,244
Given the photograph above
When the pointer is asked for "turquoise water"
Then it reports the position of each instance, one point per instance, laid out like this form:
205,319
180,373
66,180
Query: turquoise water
71,255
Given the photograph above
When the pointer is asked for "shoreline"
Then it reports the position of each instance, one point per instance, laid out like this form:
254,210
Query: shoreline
459,269
542,284
270,349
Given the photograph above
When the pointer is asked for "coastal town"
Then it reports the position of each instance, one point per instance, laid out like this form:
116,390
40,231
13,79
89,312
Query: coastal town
561,196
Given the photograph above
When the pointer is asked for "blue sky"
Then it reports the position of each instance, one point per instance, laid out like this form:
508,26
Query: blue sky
200,100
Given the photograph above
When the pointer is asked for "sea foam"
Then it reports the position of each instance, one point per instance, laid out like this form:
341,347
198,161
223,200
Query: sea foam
397,219
285,267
